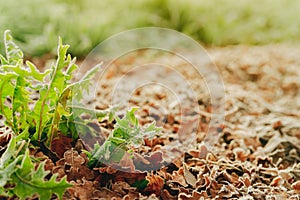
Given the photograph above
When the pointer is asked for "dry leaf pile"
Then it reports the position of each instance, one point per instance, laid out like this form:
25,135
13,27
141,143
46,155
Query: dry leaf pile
257,155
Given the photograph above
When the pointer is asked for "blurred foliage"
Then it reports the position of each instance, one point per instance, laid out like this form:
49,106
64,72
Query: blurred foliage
36,24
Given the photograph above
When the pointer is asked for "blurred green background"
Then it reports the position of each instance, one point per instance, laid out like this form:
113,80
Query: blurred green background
36,24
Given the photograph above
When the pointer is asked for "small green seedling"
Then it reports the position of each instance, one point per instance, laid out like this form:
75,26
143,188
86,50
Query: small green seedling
127,133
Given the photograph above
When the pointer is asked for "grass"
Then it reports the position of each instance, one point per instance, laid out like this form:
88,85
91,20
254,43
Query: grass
85,23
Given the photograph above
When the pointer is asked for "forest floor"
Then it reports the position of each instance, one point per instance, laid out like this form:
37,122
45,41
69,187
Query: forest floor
257,150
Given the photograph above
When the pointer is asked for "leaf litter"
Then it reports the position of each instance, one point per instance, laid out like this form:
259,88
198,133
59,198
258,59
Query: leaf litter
256,157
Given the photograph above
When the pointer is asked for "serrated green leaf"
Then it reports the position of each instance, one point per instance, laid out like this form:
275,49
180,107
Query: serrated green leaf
24,135
127,133
121,133
117,140
83,86
122,122
13,52
6,89
71,68
5,174
91,73
20,101
56,94
26,166
100,152
8,162
18,70
35,73
30,181
131,117
3,60
9,152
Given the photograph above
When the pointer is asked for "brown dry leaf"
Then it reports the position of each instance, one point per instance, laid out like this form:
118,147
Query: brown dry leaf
189,177
148,162
246,181
155,184
277,181
228,191
73,165
89,190
127,163
296,186
178,177
241,154
203,182
194,196
231,178
106,169
131,196
165,195
130,177
155,159
73,158
201,153
122,187
61,144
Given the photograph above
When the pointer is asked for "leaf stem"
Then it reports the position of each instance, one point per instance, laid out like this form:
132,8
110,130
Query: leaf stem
43,104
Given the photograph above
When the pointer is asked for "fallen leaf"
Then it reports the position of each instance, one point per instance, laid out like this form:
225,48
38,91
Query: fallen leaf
189,177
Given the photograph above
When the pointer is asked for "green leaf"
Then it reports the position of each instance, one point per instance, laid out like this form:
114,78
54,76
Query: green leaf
83,86
9,152
91,73
20,103
100,152
3,60
35,73
5,174
126,133
140,184
71,68
6,89
30,181
13,52
8,162
2,192
131,117
24,135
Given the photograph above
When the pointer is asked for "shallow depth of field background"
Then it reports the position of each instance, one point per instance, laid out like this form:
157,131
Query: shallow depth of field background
36,24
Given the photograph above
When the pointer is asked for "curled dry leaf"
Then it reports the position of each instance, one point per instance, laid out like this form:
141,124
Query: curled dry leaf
126,163
74,166
178,177
80,190
155,184
148,162
61,144
227,191
296,186
122,187
166,195
194,196
277,181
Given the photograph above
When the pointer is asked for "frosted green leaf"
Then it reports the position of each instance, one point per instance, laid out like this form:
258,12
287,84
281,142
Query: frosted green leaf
13,52
30,181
